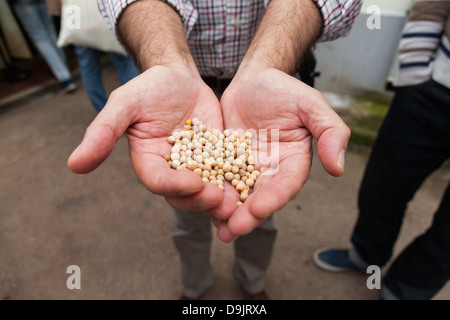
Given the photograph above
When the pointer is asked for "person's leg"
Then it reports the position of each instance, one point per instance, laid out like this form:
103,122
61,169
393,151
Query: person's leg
410,145
426,259
91,74
50,28
30,18
126,69
253,253
192,236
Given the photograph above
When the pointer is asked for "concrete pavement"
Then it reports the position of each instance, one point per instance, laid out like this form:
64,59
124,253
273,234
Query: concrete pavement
118,233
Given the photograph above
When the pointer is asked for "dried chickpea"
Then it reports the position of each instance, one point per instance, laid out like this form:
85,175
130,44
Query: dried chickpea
240,186
214,155
250,182
229,176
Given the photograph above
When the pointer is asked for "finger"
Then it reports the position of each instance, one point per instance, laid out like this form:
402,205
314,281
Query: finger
216,222
156,175
208,197
225,209
100,138
242,222
331,148
223,232
331,133
274,189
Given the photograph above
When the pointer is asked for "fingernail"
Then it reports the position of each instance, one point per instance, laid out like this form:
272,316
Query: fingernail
204,205
341,160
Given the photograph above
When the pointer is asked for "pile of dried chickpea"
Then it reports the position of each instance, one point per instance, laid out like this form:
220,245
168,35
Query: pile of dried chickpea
215,156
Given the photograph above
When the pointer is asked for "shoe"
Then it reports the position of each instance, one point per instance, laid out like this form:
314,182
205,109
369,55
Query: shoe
262,295
334,260
68,89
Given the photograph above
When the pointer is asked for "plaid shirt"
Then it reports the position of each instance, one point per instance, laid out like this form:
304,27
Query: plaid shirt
219,32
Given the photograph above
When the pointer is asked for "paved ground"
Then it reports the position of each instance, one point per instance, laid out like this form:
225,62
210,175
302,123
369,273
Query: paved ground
118,233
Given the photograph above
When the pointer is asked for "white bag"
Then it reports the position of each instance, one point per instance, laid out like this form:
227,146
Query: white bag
83,24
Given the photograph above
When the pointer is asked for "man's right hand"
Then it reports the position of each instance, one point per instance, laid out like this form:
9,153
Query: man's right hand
148,109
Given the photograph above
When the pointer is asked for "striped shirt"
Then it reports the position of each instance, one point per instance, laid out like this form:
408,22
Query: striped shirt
219,32
424,49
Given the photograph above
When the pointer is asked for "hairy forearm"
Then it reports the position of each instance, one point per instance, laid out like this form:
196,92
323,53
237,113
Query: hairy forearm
286,32
152,32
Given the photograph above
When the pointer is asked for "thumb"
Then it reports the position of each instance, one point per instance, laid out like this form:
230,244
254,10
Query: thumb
331,133
331,148
99,139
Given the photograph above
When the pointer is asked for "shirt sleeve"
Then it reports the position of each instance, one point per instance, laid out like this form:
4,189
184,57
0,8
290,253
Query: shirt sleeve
338,17
111,10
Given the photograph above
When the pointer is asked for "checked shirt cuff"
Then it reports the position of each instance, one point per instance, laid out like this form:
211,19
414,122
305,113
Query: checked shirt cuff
338,17
111,10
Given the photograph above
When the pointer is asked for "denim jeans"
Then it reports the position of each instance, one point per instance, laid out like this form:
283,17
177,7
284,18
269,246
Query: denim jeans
413,141
39,27
91,72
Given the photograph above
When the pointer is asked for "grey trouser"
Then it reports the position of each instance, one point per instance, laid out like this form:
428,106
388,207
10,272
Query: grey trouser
192,236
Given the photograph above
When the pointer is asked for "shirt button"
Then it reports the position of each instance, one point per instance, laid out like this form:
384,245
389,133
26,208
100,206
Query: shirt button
237,23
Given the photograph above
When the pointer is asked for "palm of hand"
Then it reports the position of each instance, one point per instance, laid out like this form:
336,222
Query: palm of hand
167,99
291,112
148,108
174,99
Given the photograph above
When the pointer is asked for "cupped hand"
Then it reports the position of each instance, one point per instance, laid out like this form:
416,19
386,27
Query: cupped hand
148,109
292,113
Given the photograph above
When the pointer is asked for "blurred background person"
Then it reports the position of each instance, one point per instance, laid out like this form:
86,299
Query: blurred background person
39,27
413,142
89,60
89,50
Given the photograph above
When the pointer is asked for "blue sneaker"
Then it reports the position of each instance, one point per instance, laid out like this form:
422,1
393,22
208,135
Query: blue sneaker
337,260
